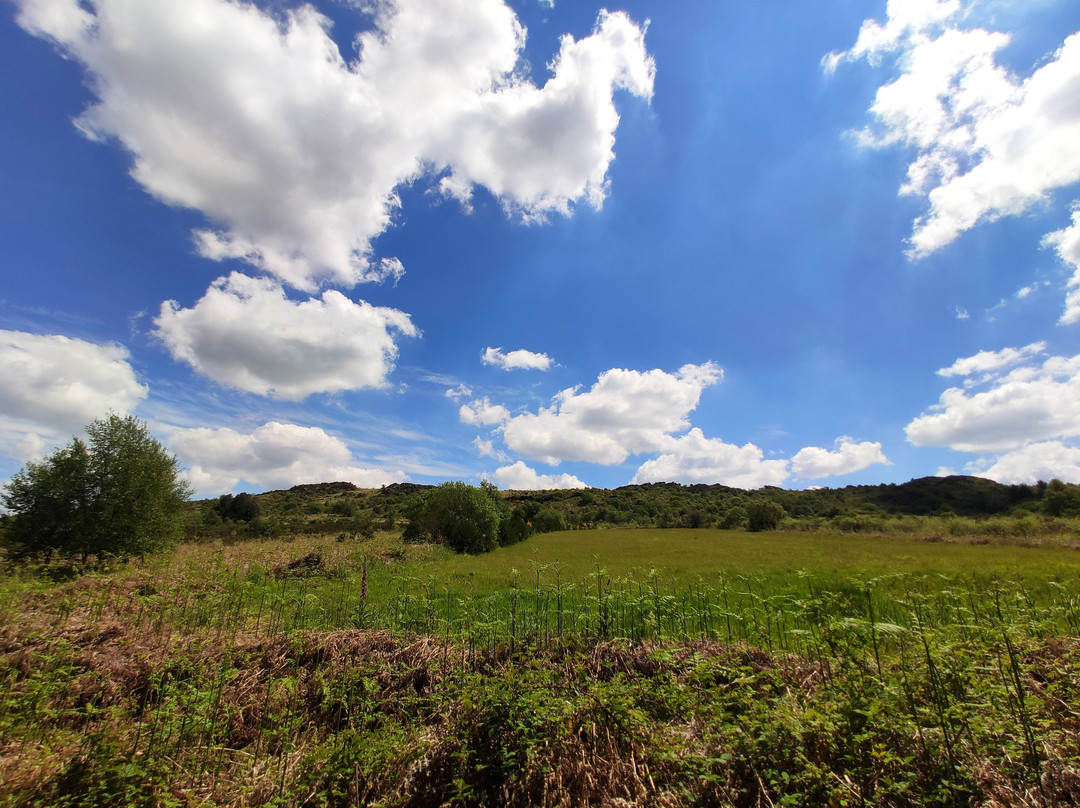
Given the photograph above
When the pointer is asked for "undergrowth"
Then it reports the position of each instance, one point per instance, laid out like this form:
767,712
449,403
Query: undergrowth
337,683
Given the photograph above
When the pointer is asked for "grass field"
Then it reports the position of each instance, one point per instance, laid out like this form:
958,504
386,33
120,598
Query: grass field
659,667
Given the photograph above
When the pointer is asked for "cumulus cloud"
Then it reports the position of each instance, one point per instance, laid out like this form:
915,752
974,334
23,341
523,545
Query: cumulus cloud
247,334
1046,460
988,143
295,156
55,385
1003,412
458,393
989,361
693,458
274,455
519,477
814,462
1067,244
481,412
516,360
626,412
486,448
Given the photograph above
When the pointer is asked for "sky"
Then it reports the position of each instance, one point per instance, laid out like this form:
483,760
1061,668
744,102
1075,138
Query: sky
548,244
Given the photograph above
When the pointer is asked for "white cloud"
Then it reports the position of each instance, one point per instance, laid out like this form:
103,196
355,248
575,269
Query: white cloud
905,18
247,334
516,360
989,361
458,393
814,462
1038,461
1067,244
55,385
626,412
274,455
519,477
693,458
1031,403
295,155
989,143
482,412
486,448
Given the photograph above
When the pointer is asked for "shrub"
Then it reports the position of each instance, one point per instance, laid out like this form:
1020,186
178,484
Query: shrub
763,514
456,514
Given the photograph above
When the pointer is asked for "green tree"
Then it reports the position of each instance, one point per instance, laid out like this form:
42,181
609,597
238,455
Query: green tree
1061,499
120,494
241,508
456,514
763,514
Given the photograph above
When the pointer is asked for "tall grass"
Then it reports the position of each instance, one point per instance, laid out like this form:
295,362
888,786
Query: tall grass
232,679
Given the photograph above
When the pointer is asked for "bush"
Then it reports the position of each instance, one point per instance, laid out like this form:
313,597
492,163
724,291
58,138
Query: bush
119,495
763,514
456,514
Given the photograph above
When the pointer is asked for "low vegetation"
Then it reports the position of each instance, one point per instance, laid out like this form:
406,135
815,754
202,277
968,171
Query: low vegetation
889,646
753,669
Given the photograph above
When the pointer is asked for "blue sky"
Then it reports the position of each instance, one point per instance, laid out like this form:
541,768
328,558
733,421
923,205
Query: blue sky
550,245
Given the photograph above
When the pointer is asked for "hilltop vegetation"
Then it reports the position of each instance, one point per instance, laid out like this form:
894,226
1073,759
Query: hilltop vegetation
942,506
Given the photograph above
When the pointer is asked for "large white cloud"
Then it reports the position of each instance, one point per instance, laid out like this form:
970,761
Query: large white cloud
988,143
516,360
295,155
1038,461
519,477
1004,412
626,412
693,458
55,385
814,462
274,455
1067,244
247,334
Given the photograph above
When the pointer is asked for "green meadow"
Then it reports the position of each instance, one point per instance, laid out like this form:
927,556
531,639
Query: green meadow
664,667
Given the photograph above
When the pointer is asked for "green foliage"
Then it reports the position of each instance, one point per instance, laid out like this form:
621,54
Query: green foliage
1061,499
763,514
120,495
241,508
456,514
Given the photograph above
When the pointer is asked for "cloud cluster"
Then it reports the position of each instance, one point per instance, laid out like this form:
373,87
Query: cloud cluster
814,462
55,385
247,334
1037,461
988,143
630,412
274,455
1023,411
519,477
626,412
253,117
991,361
516,360
693,458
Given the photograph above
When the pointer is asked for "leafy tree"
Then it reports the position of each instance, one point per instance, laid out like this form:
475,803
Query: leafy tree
1061,499
241,508
734,518
456,514
763,514
119,494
